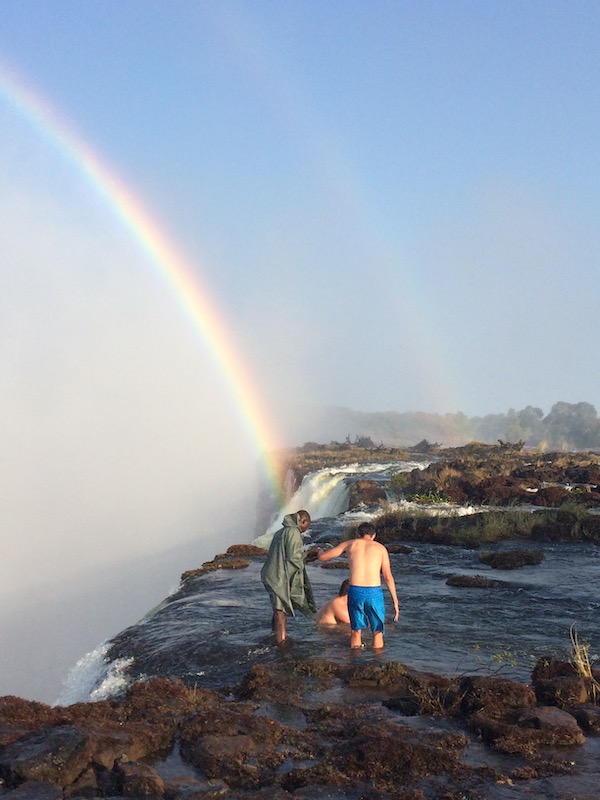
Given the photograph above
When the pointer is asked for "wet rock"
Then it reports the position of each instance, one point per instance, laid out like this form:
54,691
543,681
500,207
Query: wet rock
225,562
25,715
474,582
588,718
589,526
389,754
425,693
395,548
312,554
557,726
287,684
391,676
366,493
221,561
486,474
348,743
52,755
493,696
190,788
35,790
241,748
505,717
86,785
162,701
549,667
561,691
512,559
140,780
247,550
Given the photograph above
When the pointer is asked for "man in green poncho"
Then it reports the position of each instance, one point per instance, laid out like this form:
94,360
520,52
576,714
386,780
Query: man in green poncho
284,573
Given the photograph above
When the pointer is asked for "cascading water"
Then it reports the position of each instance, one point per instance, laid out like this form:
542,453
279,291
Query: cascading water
325,493
215,627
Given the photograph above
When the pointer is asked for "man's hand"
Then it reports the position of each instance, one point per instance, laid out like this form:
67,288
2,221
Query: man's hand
313,554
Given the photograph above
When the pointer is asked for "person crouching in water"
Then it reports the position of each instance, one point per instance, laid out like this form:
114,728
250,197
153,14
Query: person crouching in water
368,560
284,573
336,610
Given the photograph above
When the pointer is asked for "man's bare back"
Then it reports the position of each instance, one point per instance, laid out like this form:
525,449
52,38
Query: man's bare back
365,562
368,561
334,612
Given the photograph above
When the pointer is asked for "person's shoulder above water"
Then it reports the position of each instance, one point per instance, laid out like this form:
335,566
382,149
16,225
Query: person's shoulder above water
336,610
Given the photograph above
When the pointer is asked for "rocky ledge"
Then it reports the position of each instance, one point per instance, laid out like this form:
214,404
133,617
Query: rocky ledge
307,729
310,728
503,474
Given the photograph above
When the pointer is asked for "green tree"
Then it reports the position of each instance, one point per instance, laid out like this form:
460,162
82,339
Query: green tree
573,425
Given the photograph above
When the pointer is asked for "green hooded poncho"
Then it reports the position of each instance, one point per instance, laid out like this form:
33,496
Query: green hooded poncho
284,572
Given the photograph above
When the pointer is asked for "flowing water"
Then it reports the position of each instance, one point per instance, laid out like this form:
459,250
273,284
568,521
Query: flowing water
218,625
214,630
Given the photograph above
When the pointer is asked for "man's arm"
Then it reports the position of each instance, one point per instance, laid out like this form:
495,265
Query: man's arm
386,571
334,552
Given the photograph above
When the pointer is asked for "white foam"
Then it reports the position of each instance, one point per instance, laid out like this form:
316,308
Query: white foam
325,493
94,678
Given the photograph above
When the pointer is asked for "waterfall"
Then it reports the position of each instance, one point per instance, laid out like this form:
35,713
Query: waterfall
325,493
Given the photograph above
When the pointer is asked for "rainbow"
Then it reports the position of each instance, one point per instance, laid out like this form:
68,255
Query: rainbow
180,276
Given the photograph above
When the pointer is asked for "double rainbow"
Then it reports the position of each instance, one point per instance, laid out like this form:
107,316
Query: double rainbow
180,276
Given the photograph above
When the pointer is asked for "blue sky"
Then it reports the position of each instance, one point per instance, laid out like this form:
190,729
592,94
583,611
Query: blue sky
419,179
394,205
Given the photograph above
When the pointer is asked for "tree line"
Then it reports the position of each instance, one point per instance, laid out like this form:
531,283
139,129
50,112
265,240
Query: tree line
567,426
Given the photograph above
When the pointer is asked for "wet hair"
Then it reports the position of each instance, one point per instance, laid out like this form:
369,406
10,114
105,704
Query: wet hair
365,529
344,586
302,515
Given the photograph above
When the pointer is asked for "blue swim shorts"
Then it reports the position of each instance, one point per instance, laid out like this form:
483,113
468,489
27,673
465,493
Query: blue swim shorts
366,607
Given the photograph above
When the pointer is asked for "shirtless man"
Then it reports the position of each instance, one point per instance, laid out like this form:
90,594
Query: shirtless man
368,560
336,610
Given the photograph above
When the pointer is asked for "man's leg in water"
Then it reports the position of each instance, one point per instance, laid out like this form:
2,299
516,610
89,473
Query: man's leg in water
378,640
279,626
355,638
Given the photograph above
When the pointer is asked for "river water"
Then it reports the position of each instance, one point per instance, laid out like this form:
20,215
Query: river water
220,625
211,631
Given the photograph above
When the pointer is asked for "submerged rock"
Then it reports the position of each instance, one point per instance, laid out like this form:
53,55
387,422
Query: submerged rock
512,559
474,582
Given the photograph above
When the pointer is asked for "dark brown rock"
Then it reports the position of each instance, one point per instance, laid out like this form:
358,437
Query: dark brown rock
559,726
366,493
140,780
356,746
241,748
474,582
494,696
86,785
248,550
395,548
387,754
51,755
512,559
35,790
548,668
561,691
551,496
15,712
391,676
191,788
588,718
287,683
